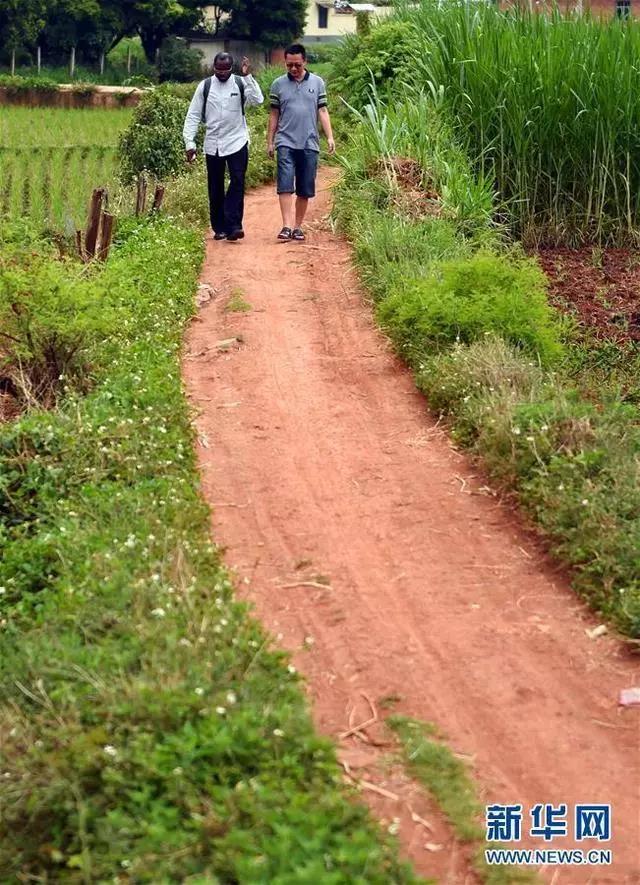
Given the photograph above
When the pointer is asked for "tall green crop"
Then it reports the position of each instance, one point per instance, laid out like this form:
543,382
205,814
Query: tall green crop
548,105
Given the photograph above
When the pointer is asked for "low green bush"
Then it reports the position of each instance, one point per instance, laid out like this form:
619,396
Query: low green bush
386,243
460,381
463,299
320,53
17,84
51,322
376,58
153,142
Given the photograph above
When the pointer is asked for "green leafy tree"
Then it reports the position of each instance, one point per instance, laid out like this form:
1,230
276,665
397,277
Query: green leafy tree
70,23
219,15
21,22
179,63
97,26
155,20
269,22
153,141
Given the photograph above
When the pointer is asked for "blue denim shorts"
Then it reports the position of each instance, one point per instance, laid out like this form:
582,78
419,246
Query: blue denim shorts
297,171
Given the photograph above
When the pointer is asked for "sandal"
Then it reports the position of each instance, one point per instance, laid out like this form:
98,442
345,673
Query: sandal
285,233
297,234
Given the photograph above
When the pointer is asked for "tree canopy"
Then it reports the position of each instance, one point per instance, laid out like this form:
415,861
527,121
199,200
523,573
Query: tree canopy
96,26
269,22
21,22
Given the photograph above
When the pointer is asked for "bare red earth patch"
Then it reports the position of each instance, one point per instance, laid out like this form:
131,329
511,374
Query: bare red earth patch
600,288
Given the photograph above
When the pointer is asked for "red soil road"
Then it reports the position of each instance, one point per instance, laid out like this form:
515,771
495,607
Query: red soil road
322,463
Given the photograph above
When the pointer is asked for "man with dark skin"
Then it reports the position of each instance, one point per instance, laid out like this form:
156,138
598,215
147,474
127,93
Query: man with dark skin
226,143
298,101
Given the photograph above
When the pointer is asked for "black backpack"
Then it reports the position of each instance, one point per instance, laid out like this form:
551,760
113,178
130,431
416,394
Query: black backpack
207,89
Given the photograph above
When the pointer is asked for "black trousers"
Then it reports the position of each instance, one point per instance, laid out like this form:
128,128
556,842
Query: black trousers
226,210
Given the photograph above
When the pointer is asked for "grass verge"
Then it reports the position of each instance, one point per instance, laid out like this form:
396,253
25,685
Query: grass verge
433,764
149,731
469,313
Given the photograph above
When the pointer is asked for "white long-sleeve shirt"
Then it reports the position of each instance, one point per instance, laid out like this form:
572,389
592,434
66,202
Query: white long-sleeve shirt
226,127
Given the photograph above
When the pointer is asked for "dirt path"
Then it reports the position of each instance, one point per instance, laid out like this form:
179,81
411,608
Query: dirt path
323,465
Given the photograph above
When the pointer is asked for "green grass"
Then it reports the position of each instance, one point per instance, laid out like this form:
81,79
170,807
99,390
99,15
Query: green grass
51,160
433,764
237,303
545,104
149,729
22,128
52,186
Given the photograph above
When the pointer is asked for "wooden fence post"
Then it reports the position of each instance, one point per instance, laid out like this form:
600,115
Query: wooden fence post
93,222
80,246
141,197
157,198
106,235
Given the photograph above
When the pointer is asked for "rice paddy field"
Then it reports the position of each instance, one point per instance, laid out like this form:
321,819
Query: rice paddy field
51,159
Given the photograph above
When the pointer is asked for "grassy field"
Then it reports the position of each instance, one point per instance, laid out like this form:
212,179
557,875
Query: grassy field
51,159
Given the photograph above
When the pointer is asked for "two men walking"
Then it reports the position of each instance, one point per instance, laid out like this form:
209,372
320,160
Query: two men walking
298,101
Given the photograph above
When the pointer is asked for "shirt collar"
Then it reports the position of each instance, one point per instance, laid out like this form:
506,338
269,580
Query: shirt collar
306,76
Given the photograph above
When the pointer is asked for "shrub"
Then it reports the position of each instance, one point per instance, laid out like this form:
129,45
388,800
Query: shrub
179,62
17,84
387,243
462,300
320,53
452,379
153,141
377,57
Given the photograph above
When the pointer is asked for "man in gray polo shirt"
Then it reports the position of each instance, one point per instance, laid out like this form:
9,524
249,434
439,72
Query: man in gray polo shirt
298,100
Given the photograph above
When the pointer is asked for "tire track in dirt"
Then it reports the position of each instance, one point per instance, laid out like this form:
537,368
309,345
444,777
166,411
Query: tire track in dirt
323,465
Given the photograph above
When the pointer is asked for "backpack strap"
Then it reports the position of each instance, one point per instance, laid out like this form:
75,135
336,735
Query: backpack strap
207,89
205,96
240,85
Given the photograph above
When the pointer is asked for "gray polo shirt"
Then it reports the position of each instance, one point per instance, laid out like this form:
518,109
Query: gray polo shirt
298,103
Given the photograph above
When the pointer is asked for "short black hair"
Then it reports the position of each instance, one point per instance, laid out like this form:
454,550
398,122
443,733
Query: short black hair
296,49
223,57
